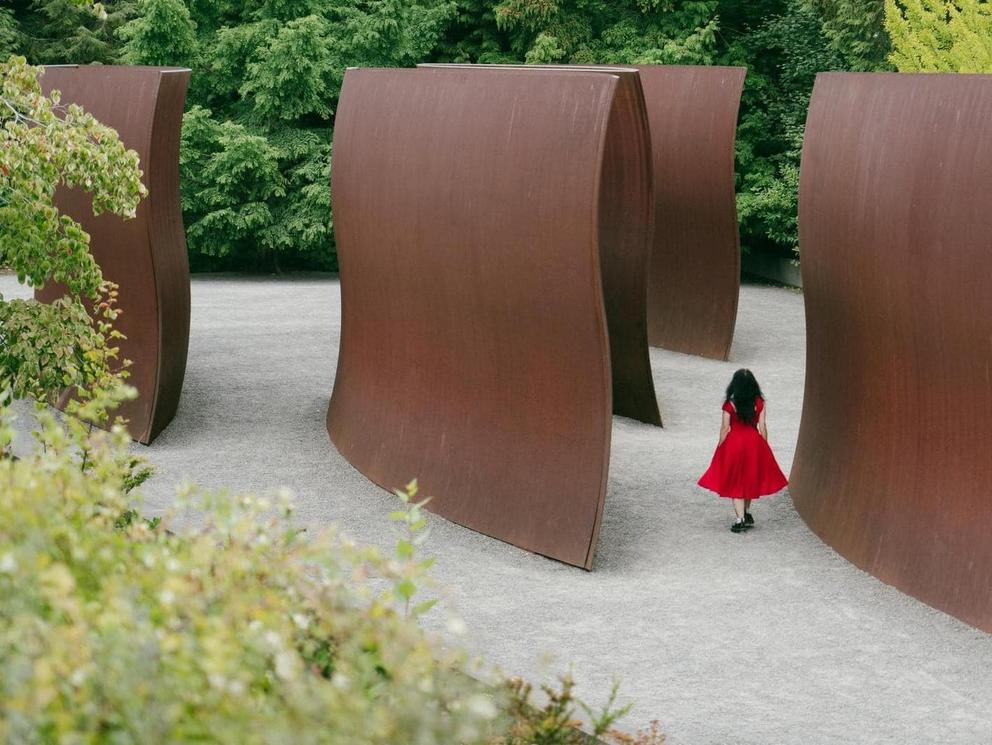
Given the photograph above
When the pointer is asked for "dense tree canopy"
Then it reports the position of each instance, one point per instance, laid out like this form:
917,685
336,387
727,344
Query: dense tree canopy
68,31
257,141
940,35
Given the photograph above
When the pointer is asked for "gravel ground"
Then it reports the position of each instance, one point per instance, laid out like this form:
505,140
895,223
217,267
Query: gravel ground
767,637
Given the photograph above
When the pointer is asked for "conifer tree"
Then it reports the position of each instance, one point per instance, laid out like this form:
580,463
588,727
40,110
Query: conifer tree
940,35
70,32
161,33
856,31
8,33
257,140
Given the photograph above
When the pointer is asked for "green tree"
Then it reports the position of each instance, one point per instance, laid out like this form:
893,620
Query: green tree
474,36
8,33
940,35
262,107
43,146
580,31
291,76
784,44
231,185
770,43
856,31
161,33
70,31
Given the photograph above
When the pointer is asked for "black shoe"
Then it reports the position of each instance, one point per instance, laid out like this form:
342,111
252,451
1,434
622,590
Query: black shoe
748,520
738,527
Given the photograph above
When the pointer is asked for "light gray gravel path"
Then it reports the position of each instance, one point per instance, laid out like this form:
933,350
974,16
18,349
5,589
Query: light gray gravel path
765,638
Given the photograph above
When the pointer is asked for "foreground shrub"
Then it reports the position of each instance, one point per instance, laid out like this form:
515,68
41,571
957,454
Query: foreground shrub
243,629
238,631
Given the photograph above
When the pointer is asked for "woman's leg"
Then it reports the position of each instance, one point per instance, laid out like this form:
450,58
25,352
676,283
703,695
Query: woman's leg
748,519
739,508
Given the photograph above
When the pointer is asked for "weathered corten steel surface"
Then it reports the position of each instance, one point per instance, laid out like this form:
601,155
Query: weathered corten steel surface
625,229
694,275
893,466
145,256
474,351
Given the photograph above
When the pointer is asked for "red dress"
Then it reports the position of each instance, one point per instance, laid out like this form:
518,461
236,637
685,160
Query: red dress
743,466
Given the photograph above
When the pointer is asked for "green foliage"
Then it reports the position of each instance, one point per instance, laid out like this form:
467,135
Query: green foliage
290,77
387,33
8,33
473,36
249,199
584,31
256,140
784,44
855,31
161,33
555,722
240,631
70,31
269,74
44,145
940,35
231,181
45,349
303,221
412,571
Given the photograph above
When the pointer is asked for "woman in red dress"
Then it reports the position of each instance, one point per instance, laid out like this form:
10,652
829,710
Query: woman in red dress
743,467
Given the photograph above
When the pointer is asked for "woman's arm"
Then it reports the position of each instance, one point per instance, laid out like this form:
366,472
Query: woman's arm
724,428
762,424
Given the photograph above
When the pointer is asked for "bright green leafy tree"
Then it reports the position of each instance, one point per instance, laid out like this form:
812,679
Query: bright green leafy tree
43,146
940,35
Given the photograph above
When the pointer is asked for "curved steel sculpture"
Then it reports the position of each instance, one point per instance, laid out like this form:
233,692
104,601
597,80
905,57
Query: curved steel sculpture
145,256
474,348
893,466
625,229
694,275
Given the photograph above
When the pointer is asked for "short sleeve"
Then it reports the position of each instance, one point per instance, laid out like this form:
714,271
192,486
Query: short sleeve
728,407
759,405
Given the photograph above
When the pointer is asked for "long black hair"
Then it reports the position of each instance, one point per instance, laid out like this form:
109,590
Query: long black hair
742,391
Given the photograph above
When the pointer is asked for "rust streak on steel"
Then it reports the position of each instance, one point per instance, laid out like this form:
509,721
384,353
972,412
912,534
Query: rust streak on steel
145,256
694,275
893,467
474,350
625,230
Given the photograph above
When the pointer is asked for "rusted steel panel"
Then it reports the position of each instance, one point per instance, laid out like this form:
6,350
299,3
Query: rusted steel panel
893,467
625,229
694,275
474,350
146,256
